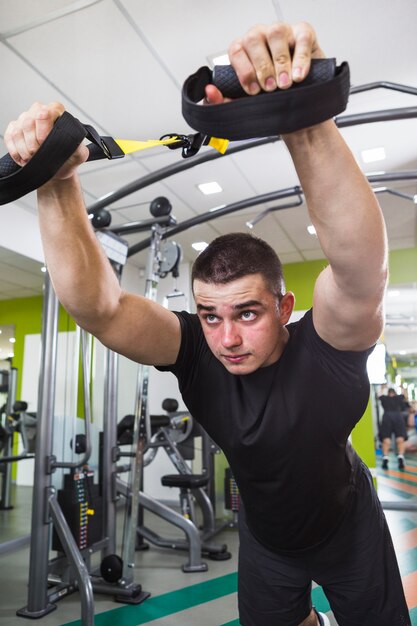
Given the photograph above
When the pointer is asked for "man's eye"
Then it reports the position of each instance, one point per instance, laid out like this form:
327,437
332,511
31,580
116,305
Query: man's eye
248,315
211,319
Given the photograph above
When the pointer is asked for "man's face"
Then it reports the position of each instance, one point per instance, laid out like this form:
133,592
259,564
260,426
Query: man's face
243,323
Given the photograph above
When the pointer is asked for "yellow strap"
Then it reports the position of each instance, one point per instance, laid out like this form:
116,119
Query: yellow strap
128,145
219,144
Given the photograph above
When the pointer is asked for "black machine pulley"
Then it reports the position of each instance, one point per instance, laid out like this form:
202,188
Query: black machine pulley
111,568
160,207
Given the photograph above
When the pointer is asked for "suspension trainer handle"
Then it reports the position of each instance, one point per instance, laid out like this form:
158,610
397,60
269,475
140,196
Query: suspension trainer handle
65,137
322,95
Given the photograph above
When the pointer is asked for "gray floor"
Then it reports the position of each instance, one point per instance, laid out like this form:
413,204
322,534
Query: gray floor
157,570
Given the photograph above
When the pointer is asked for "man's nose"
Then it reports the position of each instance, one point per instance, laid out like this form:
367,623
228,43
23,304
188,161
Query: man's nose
230,336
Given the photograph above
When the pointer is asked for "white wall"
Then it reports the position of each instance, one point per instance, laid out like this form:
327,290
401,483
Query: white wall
25,223
64,425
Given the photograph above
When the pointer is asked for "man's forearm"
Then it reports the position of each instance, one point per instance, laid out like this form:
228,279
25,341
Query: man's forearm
342,206
74,257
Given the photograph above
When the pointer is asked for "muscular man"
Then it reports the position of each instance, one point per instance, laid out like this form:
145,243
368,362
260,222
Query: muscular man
279,399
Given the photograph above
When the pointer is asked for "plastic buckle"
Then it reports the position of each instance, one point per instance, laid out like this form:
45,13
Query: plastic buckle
110,148
190,144
196,141
182,140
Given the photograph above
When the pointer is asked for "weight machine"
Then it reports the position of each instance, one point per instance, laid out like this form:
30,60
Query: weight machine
82,515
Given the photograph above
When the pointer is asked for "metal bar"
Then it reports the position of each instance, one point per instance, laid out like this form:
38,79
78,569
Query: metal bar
212,215
170,170
109,466
253,201
399,506
384,85
211,155
39,547
5,502
11,459
141,431
74,557
142,225
387,115
385,177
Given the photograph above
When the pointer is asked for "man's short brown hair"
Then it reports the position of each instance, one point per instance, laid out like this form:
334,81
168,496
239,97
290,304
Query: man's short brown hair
235,255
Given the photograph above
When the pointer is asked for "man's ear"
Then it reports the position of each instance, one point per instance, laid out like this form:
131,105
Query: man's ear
286,307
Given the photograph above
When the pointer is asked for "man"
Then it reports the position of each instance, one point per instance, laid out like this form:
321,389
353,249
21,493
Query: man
280,400
394,421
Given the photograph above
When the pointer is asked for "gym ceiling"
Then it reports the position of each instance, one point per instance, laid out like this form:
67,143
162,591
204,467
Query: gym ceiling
120,64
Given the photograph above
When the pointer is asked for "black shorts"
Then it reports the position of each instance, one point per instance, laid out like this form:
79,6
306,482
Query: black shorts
393,422
357,569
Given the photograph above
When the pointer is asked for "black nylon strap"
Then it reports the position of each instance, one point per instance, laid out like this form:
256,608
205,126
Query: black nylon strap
65,137
319,97
62,141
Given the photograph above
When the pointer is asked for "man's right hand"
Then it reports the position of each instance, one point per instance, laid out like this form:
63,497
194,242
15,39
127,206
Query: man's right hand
24,136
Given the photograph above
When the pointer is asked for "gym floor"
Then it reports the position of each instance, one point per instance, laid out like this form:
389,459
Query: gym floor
206,599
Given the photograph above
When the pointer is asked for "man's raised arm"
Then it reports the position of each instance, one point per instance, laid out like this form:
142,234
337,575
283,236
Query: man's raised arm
349,293
82,276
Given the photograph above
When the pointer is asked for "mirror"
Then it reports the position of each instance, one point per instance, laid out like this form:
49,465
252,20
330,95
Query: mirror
400,335
7,340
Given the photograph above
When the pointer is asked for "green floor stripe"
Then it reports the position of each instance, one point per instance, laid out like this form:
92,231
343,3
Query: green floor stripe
319,600
166,604
234,622
413,615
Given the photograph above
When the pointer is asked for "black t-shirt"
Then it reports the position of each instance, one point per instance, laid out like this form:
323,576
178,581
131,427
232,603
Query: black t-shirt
283,428
394,404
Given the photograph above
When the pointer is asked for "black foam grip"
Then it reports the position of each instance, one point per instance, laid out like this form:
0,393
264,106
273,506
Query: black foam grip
8,166
225,78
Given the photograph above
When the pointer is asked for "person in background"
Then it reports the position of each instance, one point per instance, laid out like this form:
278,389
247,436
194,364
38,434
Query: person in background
393,423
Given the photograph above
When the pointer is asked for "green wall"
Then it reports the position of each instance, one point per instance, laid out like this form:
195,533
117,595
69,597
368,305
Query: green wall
26,316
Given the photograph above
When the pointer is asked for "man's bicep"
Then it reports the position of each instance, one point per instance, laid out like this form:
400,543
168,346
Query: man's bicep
143,331
345,321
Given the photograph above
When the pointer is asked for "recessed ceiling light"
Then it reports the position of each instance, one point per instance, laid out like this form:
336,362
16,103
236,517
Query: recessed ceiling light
199,245
209,188
43,269
311,230
373,154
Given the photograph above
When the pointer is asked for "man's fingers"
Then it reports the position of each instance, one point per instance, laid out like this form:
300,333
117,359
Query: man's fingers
244,67
274,56
213,95
280,41
305,48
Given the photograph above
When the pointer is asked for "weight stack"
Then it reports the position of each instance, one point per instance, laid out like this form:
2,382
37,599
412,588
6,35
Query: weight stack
231,492
81,505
